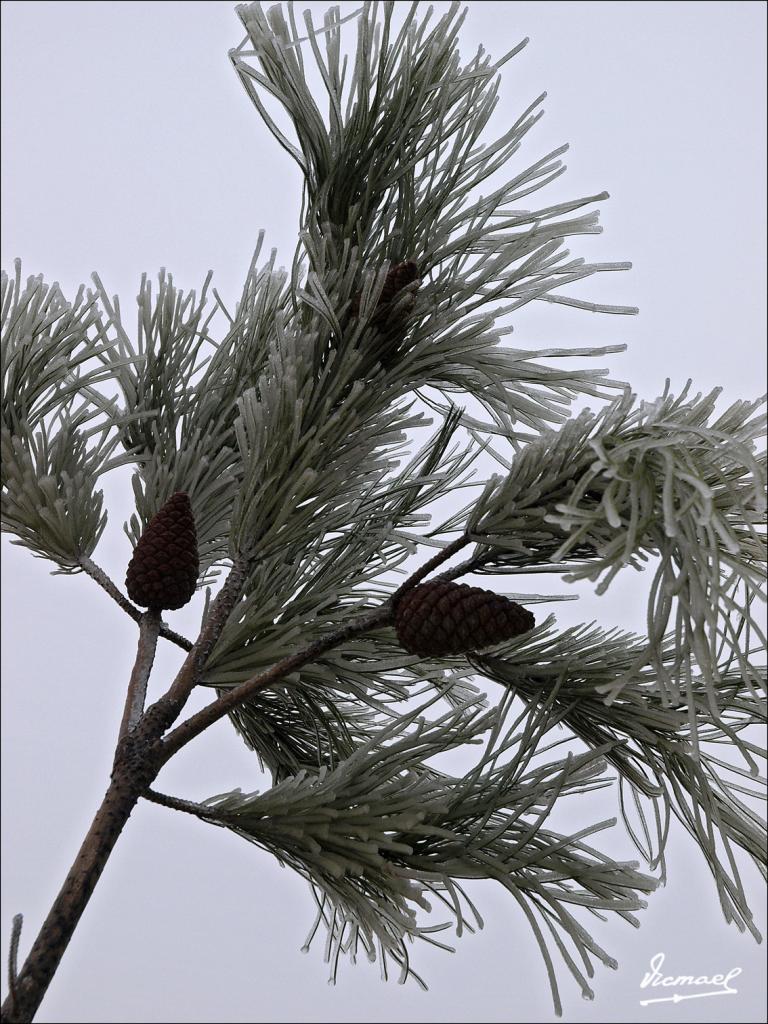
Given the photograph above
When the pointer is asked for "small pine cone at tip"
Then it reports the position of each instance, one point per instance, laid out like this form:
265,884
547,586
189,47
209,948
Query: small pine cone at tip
398,277
440,618
163,570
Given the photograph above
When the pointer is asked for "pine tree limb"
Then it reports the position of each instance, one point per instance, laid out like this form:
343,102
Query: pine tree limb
229,700
97,573
137,761
149,628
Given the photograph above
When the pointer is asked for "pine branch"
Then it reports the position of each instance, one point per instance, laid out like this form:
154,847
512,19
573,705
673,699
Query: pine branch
660,750
382,830
319,713
98,574
609,490
390,177
49,500
289,434
228,701
290,600
138,759
46,350
149,629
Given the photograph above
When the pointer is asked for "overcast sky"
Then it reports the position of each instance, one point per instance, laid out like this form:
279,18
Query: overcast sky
129,144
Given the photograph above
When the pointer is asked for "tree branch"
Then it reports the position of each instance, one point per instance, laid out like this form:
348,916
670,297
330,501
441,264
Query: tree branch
59,926
442,556
137,761
468,565
149,627
13,950
175,803
478,561
382,616
96,573
166,710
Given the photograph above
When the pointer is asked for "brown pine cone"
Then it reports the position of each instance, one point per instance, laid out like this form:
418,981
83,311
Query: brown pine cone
398,276
163,570
441,618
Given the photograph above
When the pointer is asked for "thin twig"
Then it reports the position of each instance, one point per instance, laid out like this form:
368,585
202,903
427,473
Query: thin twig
469,565
382,616
442,556
228,701
149,628
176,803
200,811
96,573
13,952
166,710
478,561
219,612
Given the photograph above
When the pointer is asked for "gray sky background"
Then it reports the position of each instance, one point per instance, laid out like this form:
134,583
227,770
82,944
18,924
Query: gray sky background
128,144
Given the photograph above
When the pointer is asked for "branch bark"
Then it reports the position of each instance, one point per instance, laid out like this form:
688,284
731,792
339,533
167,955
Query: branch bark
13,950
382,616
134,771
174,803
149,627
141,753
97,573
137,761
200,721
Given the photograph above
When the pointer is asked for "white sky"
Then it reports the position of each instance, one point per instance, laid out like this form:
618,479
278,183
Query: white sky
128,144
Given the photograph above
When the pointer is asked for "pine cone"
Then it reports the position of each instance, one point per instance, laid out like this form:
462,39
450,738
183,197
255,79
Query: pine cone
440,618
398,276
163,570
